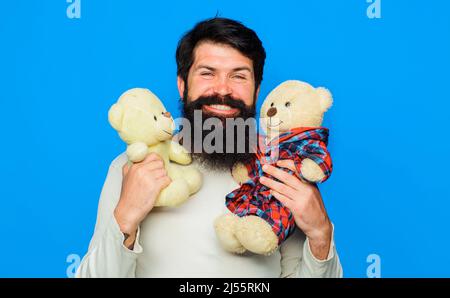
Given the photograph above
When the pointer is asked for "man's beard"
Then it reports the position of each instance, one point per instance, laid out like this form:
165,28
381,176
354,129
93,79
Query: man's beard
227,158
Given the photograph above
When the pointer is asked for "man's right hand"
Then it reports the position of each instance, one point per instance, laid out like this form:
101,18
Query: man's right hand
142,182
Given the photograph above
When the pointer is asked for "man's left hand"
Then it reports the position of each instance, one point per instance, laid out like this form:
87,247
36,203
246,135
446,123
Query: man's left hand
306,204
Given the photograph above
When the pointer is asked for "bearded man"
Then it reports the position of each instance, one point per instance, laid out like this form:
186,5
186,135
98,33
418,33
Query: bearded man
219,72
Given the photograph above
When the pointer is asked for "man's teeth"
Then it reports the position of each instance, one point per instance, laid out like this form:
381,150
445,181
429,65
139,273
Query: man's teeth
221,107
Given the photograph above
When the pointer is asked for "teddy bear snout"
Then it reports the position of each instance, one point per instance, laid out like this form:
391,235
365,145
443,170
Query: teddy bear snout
166,114
272,112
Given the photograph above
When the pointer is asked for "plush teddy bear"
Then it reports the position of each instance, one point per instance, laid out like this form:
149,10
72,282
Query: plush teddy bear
146,126
292,116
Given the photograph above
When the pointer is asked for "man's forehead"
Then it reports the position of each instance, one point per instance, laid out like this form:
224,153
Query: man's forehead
221,57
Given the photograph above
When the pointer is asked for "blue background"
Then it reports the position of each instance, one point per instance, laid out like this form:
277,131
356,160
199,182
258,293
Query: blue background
388,194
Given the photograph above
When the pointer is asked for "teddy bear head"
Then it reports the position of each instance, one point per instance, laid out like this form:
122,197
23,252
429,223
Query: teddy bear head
294,104
139,116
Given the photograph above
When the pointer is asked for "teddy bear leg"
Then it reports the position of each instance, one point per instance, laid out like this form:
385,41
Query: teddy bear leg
190,174
256,235
224,226
176,193
311,171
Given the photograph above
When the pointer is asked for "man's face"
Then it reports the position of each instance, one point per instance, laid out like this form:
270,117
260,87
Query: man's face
221,85
220,70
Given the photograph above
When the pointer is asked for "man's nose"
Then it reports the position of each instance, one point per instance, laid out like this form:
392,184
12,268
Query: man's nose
222,87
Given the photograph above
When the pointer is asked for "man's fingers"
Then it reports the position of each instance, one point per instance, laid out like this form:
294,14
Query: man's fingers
281,175
282,198
151,157
159,173
278,187
164,181
154,165
288,164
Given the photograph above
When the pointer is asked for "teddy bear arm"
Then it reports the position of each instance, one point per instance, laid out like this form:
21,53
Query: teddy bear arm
137,151
179,154
240,173
311,171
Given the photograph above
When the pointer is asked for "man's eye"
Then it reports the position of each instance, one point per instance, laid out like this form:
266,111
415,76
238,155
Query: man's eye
206,74
240,77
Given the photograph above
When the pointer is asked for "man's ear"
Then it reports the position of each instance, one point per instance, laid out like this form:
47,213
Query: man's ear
257,92
181,86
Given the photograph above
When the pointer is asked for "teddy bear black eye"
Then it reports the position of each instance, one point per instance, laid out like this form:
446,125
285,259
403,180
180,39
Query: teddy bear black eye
287,104
271,104
154,117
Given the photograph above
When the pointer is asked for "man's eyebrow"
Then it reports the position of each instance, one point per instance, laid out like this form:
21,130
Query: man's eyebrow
234,69
243,68
205,66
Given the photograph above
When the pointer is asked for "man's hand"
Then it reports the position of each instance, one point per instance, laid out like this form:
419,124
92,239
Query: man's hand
306,204
141,185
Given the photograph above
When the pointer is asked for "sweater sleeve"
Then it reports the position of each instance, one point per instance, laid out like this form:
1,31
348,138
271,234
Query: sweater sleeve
107,256
297,259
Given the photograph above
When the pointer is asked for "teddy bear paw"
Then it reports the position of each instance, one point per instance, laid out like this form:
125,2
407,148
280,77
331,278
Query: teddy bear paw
136,152
240,173
311,171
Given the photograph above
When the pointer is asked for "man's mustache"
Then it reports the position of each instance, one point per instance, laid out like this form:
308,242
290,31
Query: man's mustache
219,100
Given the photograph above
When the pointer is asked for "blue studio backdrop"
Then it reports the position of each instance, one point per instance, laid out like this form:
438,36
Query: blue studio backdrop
386,62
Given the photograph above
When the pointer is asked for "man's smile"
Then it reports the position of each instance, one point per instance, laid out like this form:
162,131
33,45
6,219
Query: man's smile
219,109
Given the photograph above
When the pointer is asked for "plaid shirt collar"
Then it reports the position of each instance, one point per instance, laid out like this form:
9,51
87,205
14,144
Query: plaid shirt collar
293,135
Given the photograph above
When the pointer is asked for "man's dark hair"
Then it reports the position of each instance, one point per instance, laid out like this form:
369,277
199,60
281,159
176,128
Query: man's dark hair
222,31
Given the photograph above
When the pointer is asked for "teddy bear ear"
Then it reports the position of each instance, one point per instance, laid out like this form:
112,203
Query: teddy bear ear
326,99
115,114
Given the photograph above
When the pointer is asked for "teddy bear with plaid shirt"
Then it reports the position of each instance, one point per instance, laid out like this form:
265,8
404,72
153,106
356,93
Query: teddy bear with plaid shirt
291,116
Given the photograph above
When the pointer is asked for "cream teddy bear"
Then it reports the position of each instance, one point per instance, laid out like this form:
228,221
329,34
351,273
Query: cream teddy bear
146,126
292,116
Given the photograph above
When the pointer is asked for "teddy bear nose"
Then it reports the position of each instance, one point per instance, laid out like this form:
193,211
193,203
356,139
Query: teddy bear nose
166,114
272,112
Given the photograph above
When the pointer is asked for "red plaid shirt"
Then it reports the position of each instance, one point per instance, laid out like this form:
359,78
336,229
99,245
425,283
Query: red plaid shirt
254,198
